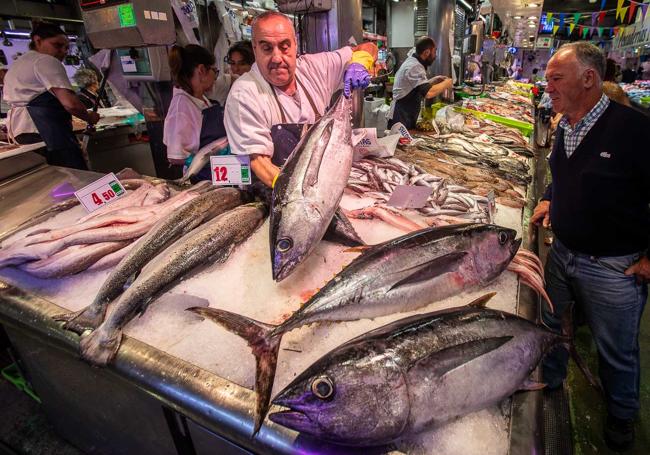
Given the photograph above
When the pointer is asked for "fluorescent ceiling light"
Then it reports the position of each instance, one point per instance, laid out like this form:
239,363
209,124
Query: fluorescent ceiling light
533,5
532,18
516,17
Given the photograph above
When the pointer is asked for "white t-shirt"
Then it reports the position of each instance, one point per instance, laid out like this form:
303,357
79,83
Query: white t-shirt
182,132
28,77
251,109
409,76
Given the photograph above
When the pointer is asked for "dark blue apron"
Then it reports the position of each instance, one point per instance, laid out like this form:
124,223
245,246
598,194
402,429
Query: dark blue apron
212,128
54,124
285,136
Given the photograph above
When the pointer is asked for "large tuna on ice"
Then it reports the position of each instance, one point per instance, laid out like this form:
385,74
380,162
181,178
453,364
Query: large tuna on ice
414,374
400,275
309,188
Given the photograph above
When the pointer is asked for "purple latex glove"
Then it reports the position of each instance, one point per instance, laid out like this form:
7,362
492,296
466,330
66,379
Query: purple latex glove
356,76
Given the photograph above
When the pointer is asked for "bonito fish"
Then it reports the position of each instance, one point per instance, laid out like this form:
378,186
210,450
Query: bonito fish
414,374
213,241
181,221
399,275
309,188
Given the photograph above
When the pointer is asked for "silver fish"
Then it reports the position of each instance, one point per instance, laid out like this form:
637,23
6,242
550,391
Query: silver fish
211,242
414,374
309,188
399,275
178,223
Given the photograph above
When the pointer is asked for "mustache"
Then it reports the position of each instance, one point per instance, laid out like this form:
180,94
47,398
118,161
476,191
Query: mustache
273,66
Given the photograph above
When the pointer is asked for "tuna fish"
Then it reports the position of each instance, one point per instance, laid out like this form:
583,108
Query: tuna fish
414,374
400,275
178,223
211,242
309,188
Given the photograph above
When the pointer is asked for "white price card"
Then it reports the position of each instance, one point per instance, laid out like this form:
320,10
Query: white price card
230,169
101,192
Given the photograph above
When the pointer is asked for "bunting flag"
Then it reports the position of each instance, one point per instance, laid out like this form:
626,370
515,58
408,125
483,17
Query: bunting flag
614,31
549,18
619,6
631,12
644,9
585,32
602,4
623,13
571,27
600,32
594,18
601,17
561,19
576,18
555,29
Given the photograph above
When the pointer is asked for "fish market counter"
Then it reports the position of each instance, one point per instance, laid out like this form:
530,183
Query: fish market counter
180,384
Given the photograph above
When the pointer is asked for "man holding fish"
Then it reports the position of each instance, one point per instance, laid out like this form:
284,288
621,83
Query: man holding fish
601,185
268,107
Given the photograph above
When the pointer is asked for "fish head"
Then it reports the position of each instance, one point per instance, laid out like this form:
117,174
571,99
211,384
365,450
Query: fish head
292,237
360,401
493,247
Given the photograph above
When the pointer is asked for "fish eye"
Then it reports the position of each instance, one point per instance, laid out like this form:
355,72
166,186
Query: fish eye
284,245
503,237
322,387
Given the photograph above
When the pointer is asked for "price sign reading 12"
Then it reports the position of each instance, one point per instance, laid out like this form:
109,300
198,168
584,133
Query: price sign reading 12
101,192
230,169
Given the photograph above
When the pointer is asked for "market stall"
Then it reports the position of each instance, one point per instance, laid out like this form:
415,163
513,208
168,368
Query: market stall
191,381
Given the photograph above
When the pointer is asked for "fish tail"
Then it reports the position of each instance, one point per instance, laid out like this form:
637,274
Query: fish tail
80,321
568,341
100,346
265,348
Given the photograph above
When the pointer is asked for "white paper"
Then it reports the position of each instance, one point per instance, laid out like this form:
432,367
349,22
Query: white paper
230,169
101,192
371,145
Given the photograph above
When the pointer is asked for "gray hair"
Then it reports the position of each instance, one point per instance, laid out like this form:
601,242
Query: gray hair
85,77
588,55
268,15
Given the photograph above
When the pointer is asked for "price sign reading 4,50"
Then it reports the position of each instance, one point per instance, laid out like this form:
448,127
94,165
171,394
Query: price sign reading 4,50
101,192
230,170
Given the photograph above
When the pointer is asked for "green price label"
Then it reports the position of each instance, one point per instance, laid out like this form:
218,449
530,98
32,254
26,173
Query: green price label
116,187
126,14
244,174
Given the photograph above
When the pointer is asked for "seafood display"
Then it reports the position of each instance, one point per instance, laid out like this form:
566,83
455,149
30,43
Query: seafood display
521,112
309,188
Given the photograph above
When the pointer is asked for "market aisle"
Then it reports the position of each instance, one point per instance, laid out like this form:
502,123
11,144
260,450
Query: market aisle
587,408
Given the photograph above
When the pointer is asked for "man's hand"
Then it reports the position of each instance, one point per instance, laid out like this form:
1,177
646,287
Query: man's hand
542,213
641,269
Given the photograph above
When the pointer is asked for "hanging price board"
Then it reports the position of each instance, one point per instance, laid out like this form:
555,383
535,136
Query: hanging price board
231,169
101,192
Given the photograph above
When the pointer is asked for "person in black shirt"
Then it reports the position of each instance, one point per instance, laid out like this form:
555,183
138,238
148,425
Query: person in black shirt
629,75
88,84
597,205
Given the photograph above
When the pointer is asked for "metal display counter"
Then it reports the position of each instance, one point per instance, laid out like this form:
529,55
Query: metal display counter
148,401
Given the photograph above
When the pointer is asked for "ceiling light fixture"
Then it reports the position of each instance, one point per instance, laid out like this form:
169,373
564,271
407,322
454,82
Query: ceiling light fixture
516,17
532,18
533,5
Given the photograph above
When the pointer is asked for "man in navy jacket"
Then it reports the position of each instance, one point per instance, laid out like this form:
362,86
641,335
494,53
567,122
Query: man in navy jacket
597,205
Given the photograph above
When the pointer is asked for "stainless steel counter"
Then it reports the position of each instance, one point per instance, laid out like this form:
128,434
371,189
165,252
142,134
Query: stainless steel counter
148,401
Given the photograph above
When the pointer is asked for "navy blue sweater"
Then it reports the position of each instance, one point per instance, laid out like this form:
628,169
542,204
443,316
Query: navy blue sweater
600,195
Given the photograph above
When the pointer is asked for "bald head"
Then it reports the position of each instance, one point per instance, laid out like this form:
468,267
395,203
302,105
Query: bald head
270,19
587,55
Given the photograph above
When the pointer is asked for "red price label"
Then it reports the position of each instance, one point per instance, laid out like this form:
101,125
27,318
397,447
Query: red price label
100,192
221,174
107,195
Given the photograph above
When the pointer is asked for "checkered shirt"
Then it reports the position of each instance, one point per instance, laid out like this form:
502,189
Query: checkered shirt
573,136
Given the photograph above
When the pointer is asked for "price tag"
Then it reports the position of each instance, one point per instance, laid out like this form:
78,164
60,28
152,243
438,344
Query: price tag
231,169
101,192
410,196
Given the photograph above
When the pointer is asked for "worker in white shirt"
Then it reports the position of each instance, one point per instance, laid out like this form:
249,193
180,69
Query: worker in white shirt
412,84
269,106
192,121
42,99
240,58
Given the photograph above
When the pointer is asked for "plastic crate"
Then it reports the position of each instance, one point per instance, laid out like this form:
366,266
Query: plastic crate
525,127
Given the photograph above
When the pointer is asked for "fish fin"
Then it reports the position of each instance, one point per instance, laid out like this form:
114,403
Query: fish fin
446,360
567,332
443,264
482,301
311,177
265,349
100,346
357,249
341,231
530,385
80,321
